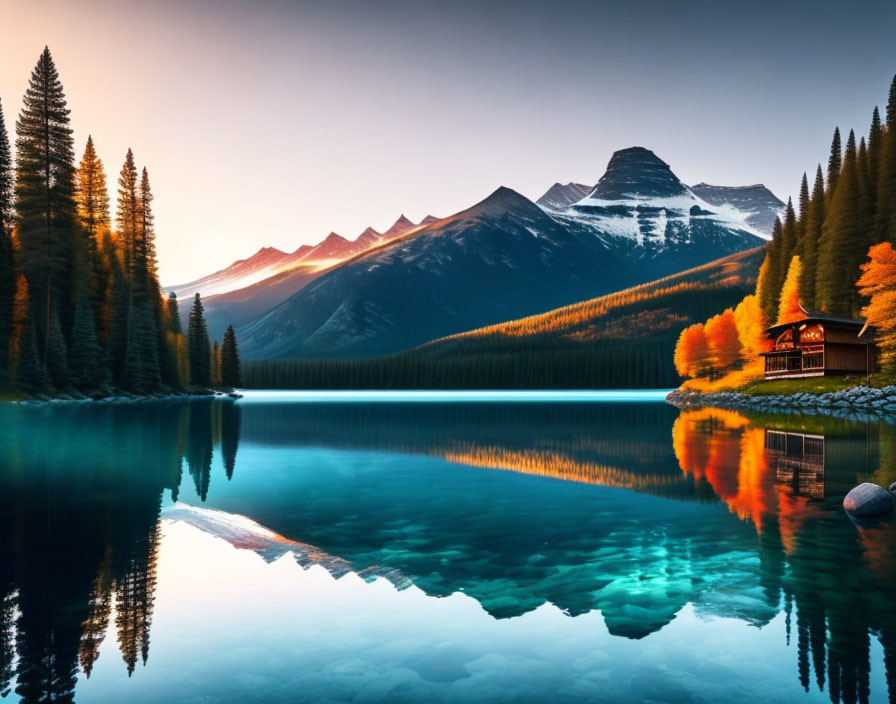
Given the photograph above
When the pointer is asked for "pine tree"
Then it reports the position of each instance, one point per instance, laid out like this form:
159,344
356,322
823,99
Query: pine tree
835,162
804,208
198,345
6,179
45,206
875,137
7,260
811,226
788,241
167,352
885,215
127,214
92,199
231,371
140,371
766,285
839,257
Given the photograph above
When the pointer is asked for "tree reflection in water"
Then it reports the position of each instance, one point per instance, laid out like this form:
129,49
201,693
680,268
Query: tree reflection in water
839,578
82,488
79,529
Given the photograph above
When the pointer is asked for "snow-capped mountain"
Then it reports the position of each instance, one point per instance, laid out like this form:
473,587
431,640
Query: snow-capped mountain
504,258
759,203
640,199
561,195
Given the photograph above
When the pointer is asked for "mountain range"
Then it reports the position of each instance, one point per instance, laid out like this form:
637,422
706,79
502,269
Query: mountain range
507,257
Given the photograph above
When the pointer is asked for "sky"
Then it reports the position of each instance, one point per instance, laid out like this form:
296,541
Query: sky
272,123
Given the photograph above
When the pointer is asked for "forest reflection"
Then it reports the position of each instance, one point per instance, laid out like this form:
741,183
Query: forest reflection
836,580
82,490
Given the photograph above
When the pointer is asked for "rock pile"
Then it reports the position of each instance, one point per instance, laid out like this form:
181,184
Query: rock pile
859,402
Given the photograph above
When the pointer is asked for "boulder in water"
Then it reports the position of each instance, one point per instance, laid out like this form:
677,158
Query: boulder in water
868,500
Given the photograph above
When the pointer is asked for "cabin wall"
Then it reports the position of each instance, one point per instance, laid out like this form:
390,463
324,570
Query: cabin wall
846,358
833,334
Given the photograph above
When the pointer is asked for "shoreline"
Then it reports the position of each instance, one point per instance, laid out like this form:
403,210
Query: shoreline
855,403
124,397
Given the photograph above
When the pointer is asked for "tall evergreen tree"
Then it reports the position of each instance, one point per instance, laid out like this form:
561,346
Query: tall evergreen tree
804,208
875,137
788,240
140,371
811,222
92,199
45,206
92,196
7,262
835,162
839,251
885,215
198,345
231,369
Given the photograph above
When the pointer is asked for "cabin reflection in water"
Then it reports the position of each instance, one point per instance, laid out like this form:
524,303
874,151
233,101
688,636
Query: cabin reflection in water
798,461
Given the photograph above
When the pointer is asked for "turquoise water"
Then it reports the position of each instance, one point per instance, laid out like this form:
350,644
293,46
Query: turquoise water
464,548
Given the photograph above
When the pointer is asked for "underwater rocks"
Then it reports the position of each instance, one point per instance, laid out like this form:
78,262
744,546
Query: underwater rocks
868,500
857,403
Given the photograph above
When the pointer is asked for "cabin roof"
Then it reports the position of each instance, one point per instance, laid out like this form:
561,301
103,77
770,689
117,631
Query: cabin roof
813,319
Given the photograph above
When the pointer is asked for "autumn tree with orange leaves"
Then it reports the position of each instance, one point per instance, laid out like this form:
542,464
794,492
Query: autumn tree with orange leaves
723,341
789,310
878,283
692,353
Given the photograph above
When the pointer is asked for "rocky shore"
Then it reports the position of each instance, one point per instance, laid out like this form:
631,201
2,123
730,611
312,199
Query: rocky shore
859,402
124,397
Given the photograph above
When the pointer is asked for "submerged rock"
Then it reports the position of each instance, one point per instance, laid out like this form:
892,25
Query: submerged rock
868,500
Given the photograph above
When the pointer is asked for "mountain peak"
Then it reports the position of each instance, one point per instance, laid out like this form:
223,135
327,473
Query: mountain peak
399,227
561,195
634,172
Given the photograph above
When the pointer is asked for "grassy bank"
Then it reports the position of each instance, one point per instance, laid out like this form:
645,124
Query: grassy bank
787,387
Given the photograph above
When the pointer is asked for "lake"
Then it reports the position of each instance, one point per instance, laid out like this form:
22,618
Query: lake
459,548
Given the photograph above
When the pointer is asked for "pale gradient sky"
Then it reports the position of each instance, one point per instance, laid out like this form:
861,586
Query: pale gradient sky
272,123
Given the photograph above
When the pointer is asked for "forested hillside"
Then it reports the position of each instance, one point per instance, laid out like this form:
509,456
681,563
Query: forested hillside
624,339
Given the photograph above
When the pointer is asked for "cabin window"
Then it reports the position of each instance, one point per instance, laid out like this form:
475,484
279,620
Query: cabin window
785,340
775,364
813,361
812,333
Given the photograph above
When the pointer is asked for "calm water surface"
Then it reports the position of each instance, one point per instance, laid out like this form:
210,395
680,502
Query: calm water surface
305,548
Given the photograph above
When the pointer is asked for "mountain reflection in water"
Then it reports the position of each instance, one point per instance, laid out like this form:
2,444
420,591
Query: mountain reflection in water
654,509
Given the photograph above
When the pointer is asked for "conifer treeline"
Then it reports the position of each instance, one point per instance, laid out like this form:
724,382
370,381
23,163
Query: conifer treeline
839,219
81,308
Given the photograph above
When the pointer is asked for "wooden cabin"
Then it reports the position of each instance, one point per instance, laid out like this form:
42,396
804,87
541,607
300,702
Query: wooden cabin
819,345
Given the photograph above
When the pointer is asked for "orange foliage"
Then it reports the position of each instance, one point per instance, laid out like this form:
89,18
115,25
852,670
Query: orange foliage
750,321
878,282
722,448
556,465
692,352
723,340
789,310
